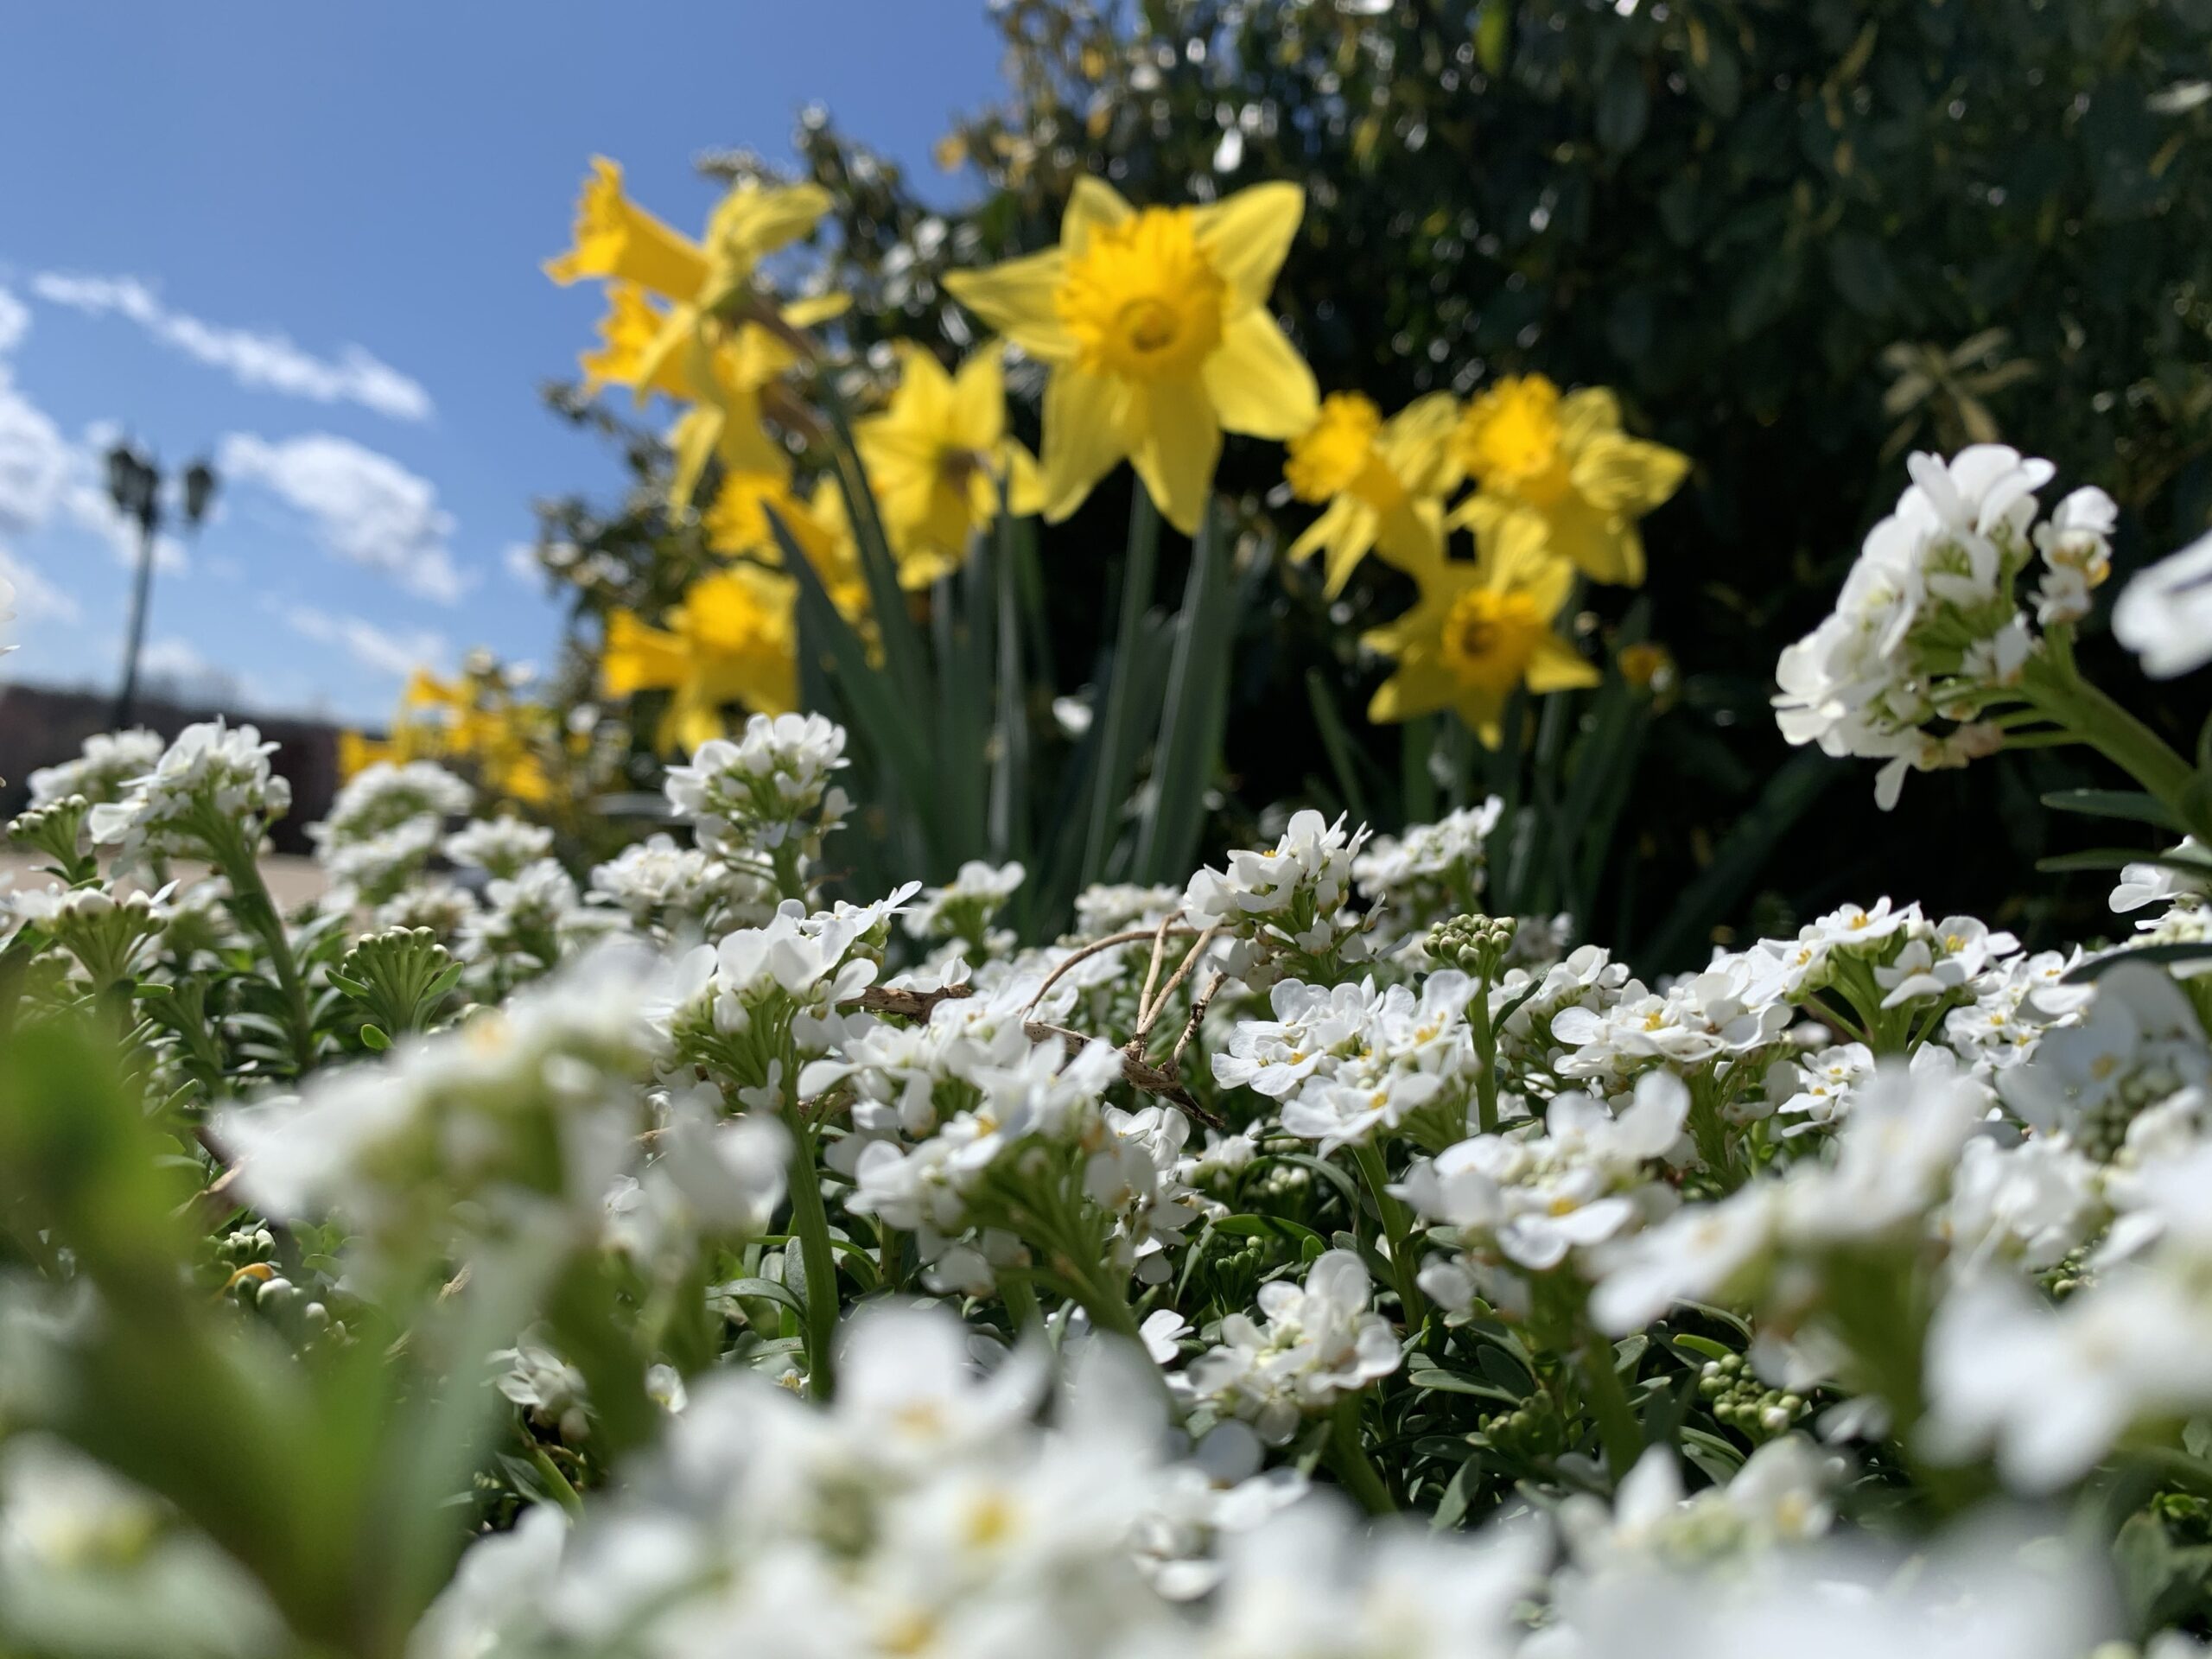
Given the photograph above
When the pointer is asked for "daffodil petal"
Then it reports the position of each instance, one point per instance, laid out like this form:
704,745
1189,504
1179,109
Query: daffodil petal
1557,666
1017,299
1587,414
1247,237
1628,476
1092,205
1259,384
1085,437
1175,445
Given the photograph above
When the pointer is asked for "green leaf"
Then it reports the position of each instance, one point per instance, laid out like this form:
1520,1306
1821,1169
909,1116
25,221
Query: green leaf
1115,758
1624,105
2119,858
2096,968
2130,804
1194,712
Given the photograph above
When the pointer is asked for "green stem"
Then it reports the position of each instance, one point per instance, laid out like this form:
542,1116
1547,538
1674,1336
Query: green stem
564,1493
256,909
1486,1051
1021,1303
810,1222
2096,719
1350,1461
791,883
1395,1231
1608,1402
1138,570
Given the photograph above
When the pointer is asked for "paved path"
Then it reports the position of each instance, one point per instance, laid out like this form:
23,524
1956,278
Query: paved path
292,881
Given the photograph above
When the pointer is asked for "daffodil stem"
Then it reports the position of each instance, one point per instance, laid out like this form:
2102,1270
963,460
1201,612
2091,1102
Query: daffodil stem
810,1222
1396,1232
1350,1461
1137,573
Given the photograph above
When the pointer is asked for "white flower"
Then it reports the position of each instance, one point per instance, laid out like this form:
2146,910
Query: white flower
1288,899
657,884
2142,884
1431,871
2138,1044
109,764
2076,547
964,907
392,1145
2032,1203
2052,1390
503,847
768,786
1783,1495
1102,910
2165,615
1311,1344
1925,618
1585,1178
212,785
382,798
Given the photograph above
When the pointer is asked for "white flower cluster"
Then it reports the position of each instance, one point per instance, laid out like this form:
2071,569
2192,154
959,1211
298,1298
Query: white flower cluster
1588,1178
665,889
211,787
501,847
1311,1344
964,908
1431,871
1285,903
1349,1062
108,765
1927,630
536,1100
768,789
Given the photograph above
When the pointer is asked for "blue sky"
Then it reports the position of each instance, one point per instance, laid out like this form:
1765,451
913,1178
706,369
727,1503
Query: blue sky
306,238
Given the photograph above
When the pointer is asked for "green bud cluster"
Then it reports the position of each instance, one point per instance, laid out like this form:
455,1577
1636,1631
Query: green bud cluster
1475,945
1734,1394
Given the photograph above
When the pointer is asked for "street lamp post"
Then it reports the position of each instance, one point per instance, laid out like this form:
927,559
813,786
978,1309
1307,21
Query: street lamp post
134,484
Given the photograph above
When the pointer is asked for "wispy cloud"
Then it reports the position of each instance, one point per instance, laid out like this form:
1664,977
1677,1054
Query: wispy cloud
14,320
365,507
257,357
397,654
37,599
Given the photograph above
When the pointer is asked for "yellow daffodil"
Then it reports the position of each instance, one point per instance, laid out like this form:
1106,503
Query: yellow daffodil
737,522
617,239
1154,325
1385,482
471,722
934,457
1481,630
753,221
1567,460
730,640
630,351
358,751
838,560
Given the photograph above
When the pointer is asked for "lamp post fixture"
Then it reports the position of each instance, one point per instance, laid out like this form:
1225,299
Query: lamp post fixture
134,484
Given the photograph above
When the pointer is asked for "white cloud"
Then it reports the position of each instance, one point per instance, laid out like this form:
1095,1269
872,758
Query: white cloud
35,461
521,561
14,320
365,507
388,653
36,599
253,357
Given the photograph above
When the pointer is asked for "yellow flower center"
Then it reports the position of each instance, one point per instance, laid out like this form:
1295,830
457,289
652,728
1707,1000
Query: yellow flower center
1489,637
1510,439
1142,300
1337,453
